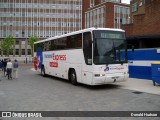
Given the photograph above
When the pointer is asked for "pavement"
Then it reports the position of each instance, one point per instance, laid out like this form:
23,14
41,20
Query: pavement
141,85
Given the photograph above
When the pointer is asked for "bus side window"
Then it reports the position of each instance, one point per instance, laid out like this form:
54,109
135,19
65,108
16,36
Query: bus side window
87,47
78,41
40,47
53,45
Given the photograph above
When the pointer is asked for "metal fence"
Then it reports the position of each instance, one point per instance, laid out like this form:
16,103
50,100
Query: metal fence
26,60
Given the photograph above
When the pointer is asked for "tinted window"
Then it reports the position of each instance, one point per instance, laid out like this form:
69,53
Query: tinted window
87,47
40,47
46,46
69,42
74,41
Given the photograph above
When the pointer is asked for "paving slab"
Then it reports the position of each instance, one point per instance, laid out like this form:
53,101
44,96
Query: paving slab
141,85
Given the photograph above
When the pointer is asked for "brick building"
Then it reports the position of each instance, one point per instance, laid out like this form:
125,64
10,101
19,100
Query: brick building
43,18
105,13
144,30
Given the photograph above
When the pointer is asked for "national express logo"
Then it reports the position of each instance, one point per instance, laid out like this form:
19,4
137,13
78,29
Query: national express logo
55,57
59,57
113,68
38,60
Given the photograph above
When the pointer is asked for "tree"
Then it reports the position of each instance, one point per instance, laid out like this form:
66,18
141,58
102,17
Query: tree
7,45
32,39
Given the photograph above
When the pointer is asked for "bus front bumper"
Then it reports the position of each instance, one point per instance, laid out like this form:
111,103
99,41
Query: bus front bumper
106,79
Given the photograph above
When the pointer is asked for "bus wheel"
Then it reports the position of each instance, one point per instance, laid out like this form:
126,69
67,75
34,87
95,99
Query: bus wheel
43,72
73,77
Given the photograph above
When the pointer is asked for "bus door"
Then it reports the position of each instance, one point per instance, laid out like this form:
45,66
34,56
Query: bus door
87,68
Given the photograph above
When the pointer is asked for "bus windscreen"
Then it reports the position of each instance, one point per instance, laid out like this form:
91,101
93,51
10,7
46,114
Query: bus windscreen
109,47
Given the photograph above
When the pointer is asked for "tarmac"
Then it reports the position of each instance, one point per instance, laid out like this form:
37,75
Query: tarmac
140,85
135,84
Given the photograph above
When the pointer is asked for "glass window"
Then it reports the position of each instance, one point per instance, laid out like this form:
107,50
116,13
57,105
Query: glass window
91,3
109,47
23,42
4,33
17,42
46,46
74,41
23,51
23,33
134,7
17,52
87,47
38,47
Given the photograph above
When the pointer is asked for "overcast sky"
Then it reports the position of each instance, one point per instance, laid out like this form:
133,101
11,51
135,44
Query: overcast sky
126,1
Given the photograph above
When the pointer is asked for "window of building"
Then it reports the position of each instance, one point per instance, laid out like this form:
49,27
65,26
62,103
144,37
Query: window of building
23,51
4,33
17,42
23,33
29,51
91,3
23,14
17,33
23,42
134,7
17,52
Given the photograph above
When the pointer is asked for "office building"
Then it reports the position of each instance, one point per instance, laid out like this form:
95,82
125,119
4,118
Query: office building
105,13
43,18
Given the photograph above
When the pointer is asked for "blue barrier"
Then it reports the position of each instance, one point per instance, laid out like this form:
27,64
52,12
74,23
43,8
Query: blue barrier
140,63
155,70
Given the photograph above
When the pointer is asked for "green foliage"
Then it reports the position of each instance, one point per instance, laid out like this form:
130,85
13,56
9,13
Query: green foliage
32,39
7,45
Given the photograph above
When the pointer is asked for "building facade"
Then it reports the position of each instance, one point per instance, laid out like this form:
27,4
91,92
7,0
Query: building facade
105,13
43,18
144,31
136,7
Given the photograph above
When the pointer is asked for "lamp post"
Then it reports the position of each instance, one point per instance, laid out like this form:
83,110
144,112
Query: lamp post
26,43
11,33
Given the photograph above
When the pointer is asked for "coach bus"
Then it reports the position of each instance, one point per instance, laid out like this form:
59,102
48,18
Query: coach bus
92,56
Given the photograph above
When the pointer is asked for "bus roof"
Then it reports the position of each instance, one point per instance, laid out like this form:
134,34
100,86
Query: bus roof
76,32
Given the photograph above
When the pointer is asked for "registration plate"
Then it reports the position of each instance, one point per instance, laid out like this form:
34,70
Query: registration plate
115,77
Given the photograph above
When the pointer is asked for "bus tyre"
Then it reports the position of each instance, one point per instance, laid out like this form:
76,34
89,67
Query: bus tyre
43,72
73,77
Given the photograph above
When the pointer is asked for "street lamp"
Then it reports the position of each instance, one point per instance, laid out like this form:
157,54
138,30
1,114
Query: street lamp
26,43
11,32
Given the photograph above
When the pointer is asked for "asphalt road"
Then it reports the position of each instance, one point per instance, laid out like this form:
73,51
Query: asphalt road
32,92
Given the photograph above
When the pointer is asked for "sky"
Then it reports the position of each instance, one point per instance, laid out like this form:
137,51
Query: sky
126,1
